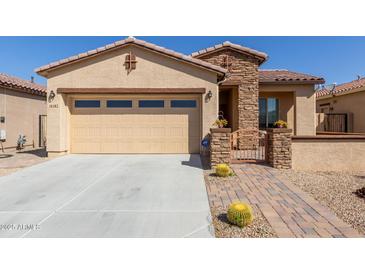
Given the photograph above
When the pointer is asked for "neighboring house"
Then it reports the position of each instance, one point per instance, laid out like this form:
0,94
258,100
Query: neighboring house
22,108
347,99
135,97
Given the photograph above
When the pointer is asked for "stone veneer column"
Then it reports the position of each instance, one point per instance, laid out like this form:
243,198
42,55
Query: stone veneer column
243,73
248,111
220,147
279,147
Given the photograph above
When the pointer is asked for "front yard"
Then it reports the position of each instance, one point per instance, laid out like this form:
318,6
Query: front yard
260,228
288,203
335,190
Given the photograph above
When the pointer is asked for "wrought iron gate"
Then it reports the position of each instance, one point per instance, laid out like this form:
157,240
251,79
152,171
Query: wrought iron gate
245,149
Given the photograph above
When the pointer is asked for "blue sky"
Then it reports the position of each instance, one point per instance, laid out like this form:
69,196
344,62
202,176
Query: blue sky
337,59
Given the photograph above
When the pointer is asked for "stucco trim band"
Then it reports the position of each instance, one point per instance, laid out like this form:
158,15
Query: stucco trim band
328,137
131,90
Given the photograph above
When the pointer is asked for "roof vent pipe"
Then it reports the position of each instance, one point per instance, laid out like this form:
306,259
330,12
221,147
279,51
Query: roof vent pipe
31,79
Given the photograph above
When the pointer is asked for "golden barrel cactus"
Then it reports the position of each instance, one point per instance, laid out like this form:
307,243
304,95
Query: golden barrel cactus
240,214
223,170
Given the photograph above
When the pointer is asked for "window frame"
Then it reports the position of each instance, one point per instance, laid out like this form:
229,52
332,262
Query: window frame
267,110
129,105
183,100
87,100
151,101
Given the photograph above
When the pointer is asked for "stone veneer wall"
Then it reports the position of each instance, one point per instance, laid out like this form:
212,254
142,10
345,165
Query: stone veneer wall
243,70
279,147
220,147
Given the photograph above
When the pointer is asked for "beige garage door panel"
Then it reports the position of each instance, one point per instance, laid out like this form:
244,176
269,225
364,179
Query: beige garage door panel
136,130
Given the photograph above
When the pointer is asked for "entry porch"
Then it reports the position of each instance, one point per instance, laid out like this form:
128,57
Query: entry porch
271,107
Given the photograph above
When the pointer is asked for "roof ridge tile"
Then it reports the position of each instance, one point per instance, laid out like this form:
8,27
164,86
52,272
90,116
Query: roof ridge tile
21,84
247,50
132,40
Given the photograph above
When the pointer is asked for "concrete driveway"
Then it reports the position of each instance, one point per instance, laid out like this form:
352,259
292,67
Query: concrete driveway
107,196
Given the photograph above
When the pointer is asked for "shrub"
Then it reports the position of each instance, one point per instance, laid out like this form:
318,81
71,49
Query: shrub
240,214
223,170
221,123
280,124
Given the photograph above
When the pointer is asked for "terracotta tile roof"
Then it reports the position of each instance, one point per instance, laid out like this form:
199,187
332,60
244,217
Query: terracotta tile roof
260,55
342,88
22,85
286,76
134,41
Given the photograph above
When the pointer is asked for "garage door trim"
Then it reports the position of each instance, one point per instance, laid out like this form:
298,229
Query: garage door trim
131,91
191,142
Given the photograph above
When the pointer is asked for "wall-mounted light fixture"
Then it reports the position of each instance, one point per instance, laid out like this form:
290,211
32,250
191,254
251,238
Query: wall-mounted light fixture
51,96
208,96
2,119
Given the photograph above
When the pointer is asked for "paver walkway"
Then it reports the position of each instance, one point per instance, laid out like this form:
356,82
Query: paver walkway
290,211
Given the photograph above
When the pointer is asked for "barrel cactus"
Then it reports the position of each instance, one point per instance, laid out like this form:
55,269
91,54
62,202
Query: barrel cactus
223,170
240,214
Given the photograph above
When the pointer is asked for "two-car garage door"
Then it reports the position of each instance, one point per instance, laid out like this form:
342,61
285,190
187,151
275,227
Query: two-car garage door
135,124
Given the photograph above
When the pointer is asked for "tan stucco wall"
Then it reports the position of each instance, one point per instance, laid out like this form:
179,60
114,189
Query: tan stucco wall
319,121
108,71
351,103
328,155
21,111
304,105
286,105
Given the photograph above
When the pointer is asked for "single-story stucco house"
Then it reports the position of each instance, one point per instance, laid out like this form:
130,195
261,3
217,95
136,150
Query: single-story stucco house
23,109
132,96
346,99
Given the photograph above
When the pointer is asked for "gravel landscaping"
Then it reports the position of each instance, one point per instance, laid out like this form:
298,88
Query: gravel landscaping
334,190
260,228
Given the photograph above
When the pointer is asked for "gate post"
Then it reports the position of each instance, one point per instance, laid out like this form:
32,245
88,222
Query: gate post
279,147
220,146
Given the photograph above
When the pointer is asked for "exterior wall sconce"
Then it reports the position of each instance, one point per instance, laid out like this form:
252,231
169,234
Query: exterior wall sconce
51,96
208,96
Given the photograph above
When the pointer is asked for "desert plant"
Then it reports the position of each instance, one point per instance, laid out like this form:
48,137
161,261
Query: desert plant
240,214
21,142
223,170
280,124
221,123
